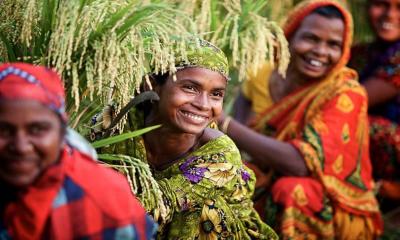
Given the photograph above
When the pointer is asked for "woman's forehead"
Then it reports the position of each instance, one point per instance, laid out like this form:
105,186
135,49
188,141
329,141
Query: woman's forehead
317,22
200,76
25,110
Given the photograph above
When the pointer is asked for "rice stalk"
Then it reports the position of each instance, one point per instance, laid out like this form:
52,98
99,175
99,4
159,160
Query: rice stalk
105,47
141,181
237,27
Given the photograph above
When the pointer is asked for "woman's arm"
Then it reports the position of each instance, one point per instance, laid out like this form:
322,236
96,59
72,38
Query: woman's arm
268,152
379,91
333,132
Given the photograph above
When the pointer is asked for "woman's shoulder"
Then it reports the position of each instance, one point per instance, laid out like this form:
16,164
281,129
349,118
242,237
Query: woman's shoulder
346,81
94,178
216,142
351,83
214,138
210,134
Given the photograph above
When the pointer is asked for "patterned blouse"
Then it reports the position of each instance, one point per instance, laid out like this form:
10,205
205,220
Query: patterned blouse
209,196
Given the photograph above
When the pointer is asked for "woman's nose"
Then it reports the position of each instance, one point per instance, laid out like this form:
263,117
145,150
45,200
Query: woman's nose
21,143
320,49
202,101
392,13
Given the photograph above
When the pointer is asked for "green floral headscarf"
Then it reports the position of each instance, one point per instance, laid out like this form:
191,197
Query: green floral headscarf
200,53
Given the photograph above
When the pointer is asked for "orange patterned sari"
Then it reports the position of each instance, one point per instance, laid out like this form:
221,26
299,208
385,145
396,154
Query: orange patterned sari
326,121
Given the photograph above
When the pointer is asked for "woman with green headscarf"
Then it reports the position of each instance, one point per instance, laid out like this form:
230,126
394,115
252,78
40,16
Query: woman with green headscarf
204,185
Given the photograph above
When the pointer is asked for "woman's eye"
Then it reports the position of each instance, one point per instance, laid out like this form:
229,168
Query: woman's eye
5,131
380,4
189,88
310,38
218,94
37,130
336,45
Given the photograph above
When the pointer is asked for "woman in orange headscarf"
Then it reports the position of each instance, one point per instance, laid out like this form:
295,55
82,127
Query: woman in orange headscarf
314,131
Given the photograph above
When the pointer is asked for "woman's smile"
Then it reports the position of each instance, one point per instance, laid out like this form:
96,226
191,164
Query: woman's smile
19,166
314,65
195,118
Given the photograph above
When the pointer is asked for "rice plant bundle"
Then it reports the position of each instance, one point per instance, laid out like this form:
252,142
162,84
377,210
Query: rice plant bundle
242,30
102,48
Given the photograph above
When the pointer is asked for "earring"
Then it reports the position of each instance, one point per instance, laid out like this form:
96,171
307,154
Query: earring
213,124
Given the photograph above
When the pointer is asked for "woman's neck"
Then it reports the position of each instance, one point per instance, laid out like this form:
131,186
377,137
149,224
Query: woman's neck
381,43
164,147
281,87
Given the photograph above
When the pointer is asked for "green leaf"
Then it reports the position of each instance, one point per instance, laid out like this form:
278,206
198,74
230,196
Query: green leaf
46,22
138,16
123,137
115,17
109,157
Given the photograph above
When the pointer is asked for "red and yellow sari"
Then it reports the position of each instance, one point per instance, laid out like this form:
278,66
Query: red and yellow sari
326,121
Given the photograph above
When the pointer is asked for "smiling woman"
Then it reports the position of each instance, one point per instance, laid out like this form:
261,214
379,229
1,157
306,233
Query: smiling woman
310,132
206,186
43,179
31,136
203,183
314,50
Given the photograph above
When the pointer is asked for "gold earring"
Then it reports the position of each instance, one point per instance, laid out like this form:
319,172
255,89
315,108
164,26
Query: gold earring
213,124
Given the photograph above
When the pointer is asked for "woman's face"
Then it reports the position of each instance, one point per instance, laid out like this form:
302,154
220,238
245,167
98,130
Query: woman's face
316,46
191,102
31,139
384,16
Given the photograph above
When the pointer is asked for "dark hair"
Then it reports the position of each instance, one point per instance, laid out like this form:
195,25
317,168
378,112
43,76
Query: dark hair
329,12
159,79
155,79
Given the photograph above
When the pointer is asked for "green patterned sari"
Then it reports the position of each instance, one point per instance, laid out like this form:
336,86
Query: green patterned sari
209,196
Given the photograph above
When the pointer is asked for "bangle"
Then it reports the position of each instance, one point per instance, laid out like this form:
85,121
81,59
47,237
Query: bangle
225,124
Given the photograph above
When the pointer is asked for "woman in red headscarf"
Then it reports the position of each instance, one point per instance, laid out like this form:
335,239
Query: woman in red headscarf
50,190
312,130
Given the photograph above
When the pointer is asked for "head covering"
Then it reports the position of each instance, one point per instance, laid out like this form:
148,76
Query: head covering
303,9
200,53
21,81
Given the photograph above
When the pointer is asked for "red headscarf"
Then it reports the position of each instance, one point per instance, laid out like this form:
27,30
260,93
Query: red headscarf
22,81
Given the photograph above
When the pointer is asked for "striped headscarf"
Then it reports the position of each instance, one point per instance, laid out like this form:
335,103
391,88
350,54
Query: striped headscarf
22,81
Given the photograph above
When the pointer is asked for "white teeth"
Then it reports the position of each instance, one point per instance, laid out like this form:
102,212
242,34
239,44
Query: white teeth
194,116
316,63
388,26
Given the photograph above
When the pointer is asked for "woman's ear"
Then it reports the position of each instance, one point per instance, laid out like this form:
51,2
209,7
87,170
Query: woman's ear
157,89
